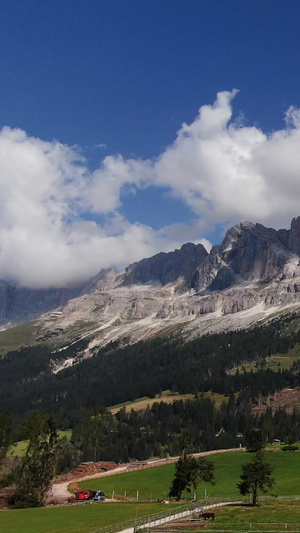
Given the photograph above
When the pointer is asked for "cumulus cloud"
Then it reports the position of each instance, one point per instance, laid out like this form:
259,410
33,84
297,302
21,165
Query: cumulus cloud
228,171
48,203
60,223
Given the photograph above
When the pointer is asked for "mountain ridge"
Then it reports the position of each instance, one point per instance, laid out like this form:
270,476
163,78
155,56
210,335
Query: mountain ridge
252,275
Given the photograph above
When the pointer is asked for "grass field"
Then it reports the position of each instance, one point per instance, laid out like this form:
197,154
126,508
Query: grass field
276,516
16,337
142,403
80,518
154,483
274,362
19,448
167,397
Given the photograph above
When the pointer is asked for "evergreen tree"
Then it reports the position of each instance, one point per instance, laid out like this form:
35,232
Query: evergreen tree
256,441
38,466
256,476
204,470
189,471
6,424
182,479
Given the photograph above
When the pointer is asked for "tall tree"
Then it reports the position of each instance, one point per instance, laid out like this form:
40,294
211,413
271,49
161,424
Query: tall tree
256,476
189,472
6,424
256,441
204,471
182,478
39,463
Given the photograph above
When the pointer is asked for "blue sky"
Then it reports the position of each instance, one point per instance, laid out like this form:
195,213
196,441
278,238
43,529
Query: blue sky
97,167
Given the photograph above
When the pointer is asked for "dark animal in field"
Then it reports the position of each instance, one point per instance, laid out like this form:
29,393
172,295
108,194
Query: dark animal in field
207,516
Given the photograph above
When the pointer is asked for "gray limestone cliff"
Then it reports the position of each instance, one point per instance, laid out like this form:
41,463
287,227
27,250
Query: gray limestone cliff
166,267
249,253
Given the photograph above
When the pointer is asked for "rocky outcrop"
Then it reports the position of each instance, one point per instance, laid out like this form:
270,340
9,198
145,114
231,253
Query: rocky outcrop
166,267
249,252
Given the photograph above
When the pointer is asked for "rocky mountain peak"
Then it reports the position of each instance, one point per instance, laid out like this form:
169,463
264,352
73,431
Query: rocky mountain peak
166,267
249,252
294,236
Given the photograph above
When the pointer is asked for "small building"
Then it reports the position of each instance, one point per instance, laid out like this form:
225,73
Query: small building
276,442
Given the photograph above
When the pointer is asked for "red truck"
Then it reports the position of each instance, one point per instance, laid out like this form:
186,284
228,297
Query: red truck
84,495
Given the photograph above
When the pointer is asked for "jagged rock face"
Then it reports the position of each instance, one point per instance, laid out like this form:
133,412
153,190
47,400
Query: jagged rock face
166,267
104,280
294,236
249,252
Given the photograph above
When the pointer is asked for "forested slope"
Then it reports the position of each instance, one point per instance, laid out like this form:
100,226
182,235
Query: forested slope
114,375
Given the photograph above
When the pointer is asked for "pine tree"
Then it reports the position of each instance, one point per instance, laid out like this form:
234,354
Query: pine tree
38,465
6,423
256,476
256,441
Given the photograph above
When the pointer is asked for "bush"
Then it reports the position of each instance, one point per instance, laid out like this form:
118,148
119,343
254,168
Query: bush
290,448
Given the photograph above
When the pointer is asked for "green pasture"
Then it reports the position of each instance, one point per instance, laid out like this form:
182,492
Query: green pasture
275,516
19,448
154,483
76,518
16,337
143,403
274,362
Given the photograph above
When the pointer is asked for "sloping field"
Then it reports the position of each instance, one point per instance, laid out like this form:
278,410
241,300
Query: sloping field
19,448
143,403
167,397
154,483
16,337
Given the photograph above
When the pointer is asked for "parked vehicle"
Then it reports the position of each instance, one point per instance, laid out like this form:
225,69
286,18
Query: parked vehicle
82,495
99,496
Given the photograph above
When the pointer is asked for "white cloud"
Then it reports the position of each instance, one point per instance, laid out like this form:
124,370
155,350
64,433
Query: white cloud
46,195
227,171
224,171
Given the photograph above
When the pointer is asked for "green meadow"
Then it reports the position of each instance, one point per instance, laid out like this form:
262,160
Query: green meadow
77,518
19,448
154,483
270,516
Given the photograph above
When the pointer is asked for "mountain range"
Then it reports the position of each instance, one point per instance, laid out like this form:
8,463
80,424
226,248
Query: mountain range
252,276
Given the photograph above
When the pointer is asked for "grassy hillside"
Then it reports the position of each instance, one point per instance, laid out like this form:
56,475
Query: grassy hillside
276,362
19,448
167,397
14,338
155,482
142,403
